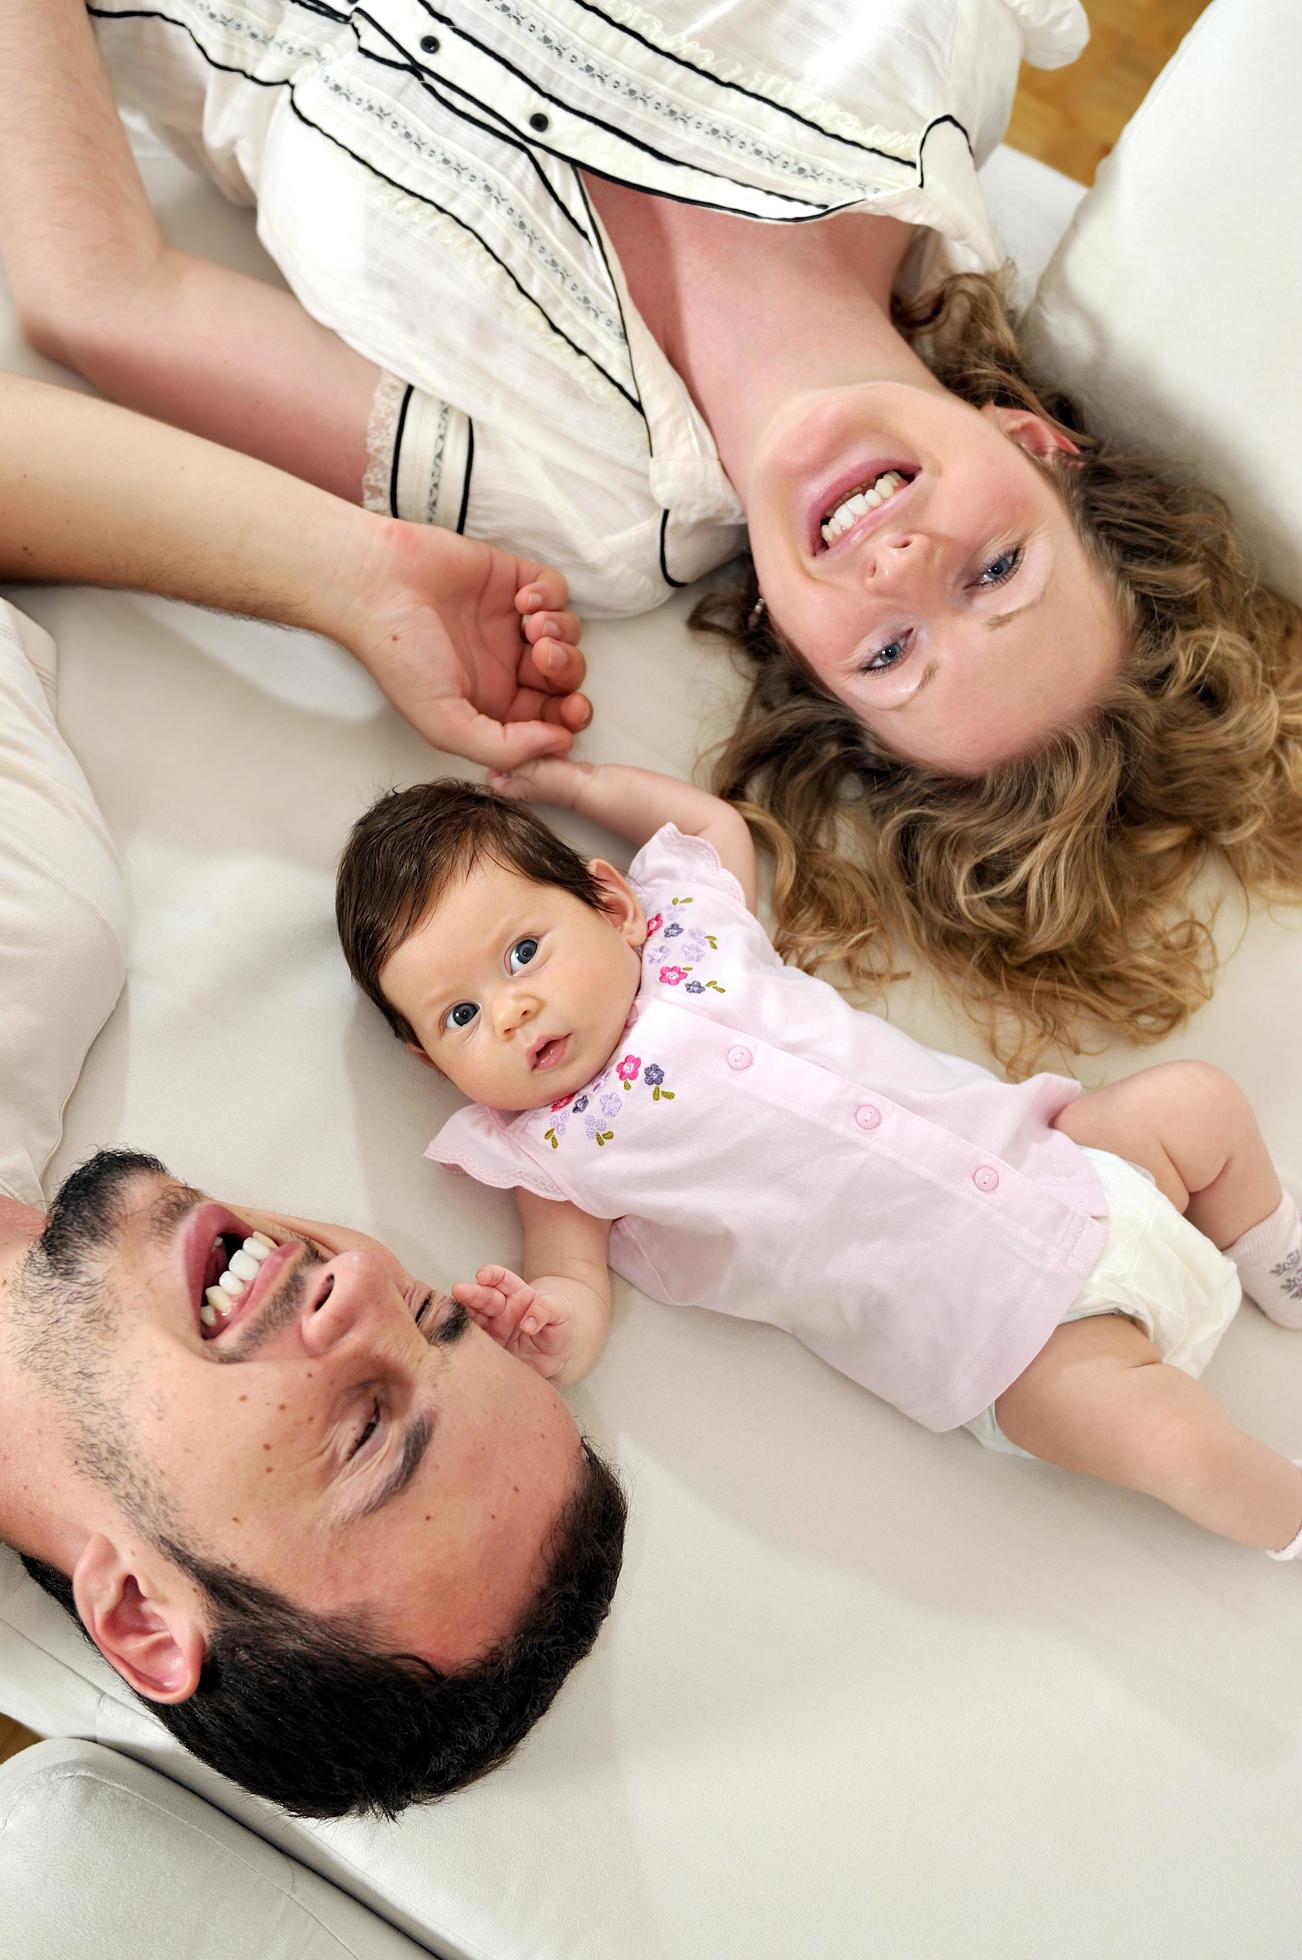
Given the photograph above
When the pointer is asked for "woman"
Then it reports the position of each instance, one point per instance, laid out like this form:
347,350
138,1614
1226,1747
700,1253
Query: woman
1043,674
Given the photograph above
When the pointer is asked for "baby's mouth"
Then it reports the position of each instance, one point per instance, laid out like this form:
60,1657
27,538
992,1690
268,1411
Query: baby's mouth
548,1054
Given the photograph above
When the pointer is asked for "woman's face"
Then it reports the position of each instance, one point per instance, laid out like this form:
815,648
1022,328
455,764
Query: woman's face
959,617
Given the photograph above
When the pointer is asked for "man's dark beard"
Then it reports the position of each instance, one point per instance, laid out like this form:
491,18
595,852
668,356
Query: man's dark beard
65,1308
88,1211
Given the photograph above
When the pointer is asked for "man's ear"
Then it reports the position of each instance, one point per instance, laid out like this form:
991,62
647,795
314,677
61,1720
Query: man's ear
1032,433
414,1048
149,1632
618,902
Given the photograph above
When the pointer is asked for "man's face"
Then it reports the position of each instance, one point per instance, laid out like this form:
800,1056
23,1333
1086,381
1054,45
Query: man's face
345,1436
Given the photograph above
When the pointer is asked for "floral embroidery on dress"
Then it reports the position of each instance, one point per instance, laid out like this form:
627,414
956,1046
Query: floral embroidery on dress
599,1111
677,950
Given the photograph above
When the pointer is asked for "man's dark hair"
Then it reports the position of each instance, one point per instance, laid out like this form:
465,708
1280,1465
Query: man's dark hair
297,1707
412,845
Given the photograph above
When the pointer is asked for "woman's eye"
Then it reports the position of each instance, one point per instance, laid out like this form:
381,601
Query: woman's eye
1001,569
885,657
521,953
462,1014
368,1431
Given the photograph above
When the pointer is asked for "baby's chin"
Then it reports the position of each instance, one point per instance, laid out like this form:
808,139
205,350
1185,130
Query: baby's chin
582,1060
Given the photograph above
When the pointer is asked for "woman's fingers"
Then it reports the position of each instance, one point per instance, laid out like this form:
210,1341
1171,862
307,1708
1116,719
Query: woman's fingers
568,711
543,590
553,626
555,666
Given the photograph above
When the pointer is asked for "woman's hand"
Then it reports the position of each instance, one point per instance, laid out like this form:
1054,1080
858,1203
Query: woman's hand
471,644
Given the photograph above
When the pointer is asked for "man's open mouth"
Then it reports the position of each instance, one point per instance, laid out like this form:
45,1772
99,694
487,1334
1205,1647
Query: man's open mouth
230,1267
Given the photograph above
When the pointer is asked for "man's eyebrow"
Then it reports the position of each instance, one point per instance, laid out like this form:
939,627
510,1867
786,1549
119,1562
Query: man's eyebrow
414,1445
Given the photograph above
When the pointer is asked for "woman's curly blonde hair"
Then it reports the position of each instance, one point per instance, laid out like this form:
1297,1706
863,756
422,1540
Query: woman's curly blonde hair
1055,887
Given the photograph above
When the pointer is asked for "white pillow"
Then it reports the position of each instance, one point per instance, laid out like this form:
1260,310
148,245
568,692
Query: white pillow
1171,307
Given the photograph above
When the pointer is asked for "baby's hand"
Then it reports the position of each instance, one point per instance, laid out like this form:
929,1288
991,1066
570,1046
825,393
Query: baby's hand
551,779
538,1329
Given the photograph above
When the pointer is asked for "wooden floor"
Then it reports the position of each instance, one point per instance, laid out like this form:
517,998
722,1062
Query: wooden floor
1071,117
13,1737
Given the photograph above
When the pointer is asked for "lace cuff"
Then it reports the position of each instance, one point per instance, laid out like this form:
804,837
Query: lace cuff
381,431
419,455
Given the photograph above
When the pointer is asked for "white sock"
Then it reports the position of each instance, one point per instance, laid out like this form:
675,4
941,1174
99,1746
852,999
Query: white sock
1293,1549
1269,1263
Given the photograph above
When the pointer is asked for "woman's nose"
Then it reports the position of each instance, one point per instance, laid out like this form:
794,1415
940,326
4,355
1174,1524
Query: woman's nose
887,558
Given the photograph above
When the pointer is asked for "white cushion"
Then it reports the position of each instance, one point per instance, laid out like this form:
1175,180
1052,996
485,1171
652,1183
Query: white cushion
155,1871
1172,305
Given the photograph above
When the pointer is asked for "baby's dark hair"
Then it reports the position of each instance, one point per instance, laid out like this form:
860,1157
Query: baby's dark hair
412,845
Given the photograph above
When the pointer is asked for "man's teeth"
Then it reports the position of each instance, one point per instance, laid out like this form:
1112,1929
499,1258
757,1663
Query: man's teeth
220,1301
855,507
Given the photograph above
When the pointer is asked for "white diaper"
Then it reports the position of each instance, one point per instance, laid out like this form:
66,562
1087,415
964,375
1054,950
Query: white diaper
1157,1270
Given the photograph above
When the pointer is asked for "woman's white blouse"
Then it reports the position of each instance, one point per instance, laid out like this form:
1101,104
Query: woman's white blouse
416,170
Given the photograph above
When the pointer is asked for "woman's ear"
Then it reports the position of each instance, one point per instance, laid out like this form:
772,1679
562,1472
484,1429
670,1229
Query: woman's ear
144,1625
1038,437
618,902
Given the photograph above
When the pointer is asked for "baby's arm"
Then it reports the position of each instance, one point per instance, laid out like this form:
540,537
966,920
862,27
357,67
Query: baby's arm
634,803
557,1316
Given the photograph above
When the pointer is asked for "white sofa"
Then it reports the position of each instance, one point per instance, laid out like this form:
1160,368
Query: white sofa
864,1690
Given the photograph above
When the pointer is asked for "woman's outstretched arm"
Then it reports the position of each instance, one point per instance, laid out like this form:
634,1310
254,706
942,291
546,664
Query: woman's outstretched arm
97,289
471,644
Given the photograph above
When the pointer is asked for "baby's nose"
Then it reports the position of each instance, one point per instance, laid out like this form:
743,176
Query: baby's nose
514,1010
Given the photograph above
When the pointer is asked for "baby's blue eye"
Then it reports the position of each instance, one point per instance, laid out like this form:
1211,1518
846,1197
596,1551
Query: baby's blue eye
462,1014
521,953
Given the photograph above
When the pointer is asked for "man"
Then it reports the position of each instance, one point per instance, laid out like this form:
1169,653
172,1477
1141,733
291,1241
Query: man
345,1547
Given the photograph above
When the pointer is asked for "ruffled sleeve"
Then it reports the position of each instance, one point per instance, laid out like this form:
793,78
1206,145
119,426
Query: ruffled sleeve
490,1147
1053,31
671,859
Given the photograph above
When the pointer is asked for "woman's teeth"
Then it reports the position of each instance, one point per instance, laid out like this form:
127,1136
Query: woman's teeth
853,508
220,1301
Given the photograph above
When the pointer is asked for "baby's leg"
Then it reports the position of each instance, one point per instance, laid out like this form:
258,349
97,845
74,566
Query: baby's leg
1097,1399
1192,1127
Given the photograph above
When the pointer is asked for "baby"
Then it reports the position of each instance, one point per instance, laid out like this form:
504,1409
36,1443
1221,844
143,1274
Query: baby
667,1098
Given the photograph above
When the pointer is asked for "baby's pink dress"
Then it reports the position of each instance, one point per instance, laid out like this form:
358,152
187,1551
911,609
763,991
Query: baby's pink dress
769,1151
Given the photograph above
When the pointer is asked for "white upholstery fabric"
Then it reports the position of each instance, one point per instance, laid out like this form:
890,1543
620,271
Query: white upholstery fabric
1172,305
864,1690
216,1890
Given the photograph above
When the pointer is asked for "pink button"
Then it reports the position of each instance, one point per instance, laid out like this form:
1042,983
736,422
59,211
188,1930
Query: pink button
740,1057
986,1177
867,1117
